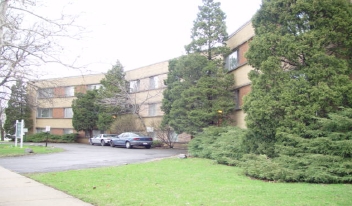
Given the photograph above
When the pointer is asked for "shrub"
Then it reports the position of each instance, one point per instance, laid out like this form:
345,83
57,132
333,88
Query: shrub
157,143
43,137
223,144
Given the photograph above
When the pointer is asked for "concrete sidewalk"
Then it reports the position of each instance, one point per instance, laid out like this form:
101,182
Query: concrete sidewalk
17,190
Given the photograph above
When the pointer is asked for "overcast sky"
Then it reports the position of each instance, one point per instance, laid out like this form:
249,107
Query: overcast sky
139,32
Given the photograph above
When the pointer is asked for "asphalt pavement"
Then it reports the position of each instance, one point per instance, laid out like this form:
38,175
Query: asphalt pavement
18,190
83,156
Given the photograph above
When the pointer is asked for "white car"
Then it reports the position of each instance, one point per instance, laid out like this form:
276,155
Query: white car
102,139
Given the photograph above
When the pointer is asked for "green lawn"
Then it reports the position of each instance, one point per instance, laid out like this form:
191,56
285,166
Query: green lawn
189,181
9,149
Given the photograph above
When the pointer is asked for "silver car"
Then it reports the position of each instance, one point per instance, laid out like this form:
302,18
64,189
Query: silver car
102,139
130,139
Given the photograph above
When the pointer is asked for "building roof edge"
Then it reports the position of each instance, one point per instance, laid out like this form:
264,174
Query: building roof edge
240,28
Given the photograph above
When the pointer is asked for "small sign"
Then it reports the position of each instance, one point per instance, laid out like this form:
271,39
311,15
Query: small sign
25,130
47,128
18,129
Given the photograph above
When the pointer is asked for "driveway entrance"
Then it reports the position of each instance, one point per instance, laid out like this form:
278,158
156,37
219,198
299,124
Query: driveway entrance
81,156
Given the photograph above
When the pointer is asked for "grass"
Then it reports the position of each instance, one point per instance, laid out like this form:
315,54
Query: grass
9,150
189,181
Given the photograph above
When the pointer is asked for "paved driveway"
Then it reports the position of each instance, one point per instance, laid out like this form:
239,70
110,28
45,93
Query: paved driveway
80,156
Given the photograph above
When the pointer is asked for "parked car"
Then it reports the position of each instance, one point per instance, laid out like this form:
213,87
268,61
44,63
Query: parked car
102,139
130,139
10,137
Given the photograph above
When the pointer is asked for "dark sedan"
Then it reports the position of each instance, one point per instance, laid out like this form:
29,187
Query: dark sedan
130,139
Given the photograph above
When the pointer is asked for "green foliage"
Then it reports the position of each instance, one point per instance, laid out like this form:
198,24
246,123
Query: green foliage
18,108
85,112
111,97
209,31
323,158
223,144
42,137
197,85
157,143
196,89
301,55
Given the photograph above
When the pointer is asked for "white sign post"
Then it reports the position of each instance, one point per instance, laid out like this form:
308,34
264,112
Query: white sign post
19,132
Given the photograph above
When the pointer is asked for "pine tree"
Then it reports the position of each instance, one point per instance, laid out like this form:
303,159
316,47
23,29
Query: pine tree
301,54
197,84
111,97
85,112
18,108
209,31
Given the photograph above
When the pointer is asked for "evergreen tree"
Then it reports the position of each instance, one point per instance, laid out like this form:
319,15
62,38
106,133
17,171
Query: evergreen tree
18,108
85,112
193,97
301,53
111,96
209,31
197,84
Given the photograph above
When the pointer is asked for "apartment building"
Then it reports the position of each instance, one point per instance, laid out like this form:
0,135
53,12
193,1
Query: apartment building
237,65
53,100
146,89
54,96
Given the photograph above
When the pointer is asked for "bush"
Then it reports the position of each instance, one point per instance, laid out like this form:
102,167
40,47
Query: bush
157,143
223,144
42,137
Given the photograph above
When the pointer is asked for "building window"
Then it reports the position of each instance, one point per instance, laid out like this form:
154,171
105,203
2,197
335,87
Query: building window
153,82
152,110
237,99
44,113
93,86
232,61
46,93
134,86
68,131
40,130
68,113
69,91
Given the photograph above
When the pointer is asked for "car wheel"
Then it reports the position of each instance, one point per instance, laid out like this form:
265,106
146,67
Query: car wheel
128,145
112,144
102,143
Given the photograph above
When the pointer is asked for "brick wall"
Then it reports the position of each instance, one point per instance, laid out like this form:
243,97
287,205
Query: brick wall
56,131
244,91
58,113
59,92
242,50
80,89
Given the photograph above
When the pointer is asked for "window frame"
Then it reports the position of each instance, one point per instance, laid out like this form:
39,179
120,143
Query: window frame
152,109
134,86
68,112
68,131
45,93
237,99
154,82
235,52
39,130
93,87
40,112
69,91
